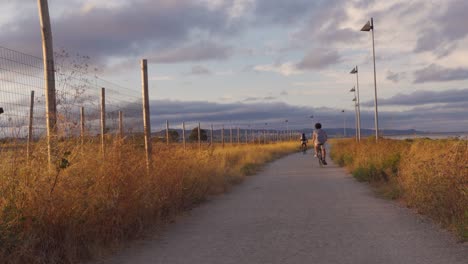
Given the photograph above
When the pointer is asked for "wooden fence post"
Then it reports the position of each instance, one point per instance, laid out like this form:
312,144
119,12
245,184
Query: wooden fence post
222,135
211,136
167,132
121,128
30,127
103,120
146,113
49,74
183,135
230,134
82,125
199,136
238,136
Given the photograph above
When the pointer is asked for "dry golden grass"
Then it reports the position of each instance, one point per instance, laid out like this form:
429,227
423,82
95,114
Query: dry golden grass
429,175
96,203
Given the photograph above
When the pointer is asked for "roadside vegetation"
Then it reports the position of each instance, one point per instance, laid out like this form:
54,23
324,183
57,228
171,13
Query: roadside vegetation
93,204
428,175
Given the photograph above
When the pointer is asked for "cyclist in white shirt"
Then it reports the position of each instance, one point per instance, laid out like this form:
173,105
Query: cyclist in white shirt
319,137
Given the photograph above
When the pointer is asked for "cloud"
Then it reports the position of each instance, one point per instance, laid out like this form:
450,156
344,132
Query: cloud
423,98
201,51
200,70
395,76
286,69
446,31
284,93
436,73
318,59
131,29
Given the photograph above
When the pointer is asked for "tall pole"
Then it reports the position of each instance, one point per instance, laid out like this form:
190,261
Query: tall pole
103,120
375,86
30,127
146,113
238,136
358,105
49,76
230,134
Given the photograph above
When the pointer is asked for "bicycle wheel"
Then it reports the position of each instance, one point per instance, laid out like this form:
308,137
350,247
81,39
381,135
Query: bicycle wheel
319,157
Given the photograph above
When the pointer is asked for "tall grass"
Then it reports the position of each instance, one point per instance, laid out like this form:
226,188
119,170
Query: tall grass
94,203
429,175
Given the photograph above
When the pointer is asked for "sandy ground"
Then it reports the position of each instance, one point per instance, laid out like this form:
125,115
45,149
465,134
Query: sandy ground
296,212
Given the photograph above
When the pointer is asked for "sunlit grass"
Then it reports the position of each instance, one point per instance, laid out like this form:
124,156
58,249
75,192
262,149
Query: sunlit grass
94,203
429,175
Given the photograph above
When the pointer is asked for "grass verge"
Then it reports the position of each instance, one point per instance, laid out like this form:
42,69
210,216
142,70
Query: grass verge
428,175
94,203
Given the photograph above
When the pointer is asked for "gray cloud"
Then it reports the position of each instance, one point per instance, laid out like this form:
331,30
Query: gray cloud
201,51
284,93
318,59
425,97
136,28
200,70
436,73
442,38
283,12
395,76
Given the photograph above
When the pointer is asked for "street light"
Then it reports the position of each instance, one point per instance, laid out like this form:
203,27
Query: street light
368,27
356,112
358,103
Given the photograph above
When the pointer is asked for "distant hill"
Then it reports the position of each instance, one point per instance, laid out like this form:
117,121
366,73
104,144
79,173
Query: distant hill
332,132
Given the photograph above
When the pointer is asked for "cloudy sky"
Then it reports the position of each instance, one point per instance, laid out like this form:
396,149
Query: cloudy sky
269,60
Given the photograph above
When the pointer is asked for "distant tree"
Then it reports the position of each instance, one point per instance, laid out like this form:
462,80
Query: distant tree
173,136
194,135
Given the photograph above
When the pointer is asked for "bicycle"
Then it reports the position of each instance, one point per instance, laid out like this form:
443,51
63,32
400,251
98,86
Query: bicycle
319,155
304,147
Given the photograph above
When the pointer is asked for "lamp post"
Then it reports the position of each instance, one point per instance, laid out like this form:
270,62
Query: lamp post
358,102
368,27
356,112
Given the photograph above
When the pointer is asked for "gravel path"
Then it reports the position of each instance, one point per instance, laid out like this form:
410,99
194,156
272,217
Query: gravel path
296,212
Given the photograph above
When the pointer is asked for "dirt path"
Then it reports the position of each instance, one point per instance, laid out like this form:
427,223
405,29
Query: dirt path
295,212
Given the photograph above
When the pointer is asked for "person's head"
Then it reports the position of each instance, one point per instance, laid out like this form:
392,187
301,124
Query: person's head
318,126
303,134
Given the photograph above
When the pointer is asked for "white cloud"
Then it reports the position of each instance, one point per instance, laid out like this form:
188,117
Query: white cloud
286,69
162,78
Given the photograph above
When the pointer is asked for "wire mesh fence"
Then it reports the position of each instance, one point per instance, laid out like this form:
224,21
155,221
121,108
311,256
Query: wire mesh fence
80,111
